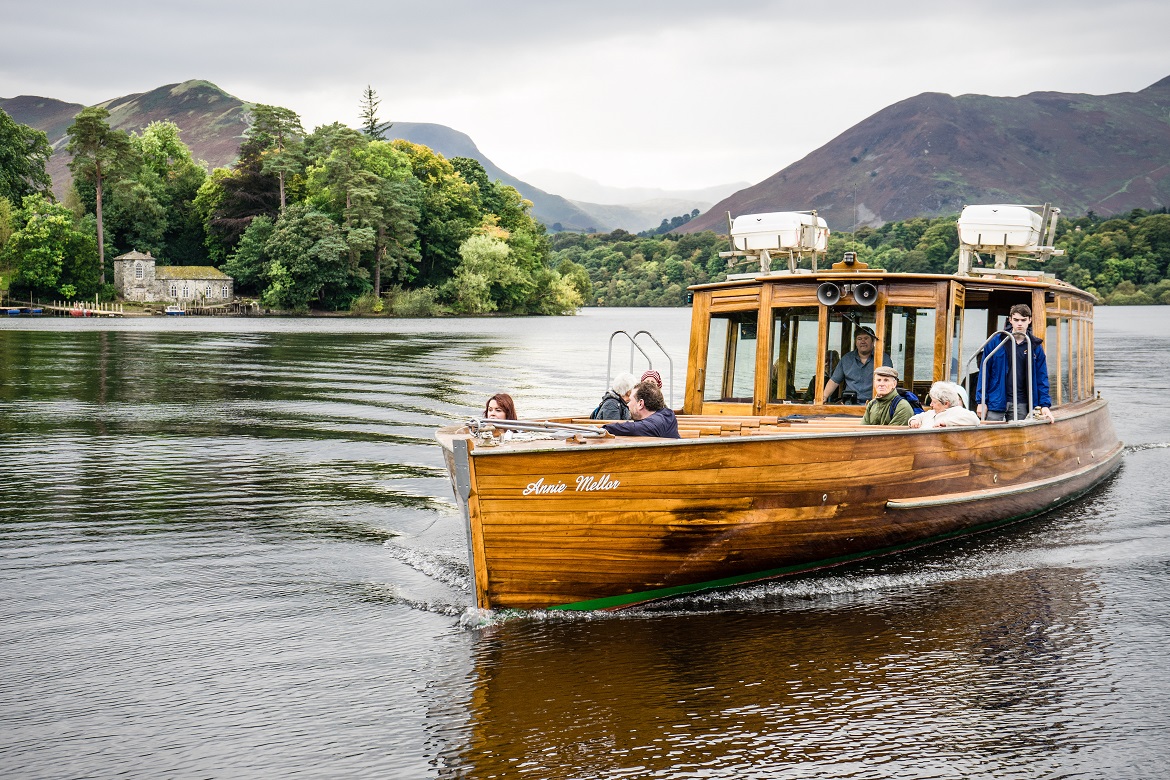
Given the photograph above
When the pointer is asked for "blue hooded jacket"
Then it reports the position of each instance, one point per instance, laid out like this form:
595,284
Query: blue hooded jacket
999,375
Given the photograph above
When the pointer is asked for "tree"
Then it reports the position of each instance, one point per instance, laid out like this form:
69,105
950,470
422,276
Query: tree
177,180
23,154
448,212
307,252
248,265
369,113
484,265
96,151
276,131
48,251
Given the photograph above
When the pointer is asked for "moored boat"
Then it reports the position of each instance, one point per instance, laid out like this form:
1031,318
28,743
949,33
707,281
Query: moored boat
774,473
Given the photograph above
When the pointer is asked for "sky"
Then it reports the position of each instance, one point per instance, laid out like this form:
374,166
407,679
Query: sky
676,95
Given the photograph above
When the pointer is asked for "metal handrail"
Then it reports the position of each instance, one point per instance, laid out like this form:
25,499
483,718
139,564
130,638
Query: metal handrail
634,345
1010,338
479,424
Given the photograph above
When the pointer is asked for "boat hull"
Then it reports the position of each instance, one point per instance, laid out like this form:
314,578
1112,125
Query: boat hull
597,526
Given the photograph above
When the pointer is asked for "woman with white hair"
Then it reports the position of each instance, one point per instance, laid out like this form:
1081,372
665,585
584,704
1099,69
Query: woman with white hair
615,403
946,409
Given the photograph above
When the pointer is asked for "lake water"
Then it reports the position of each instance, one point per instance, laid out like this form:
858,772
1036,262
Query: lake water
228,548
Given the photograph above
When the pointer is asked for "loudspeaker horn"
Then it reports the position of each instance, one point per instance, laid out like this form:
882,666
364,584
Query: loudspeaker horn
864,293
828,294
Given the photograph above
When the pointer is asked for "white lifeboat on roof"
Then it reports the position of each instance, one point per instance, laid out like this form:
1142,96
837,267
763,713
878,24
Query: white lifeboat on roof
780,230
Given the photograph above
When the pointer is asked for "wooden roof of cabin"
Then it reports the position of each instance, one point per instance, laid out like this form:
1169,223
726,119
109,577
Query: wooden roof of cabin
190,272
1003,279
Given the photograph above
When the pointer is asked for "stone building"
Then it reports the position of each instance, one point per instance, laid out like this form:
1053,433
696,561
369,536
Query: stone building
138,279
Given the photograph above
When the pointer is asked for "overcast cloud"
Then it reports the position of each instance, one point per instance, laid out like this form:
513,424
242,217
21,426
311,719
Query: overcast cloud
677,95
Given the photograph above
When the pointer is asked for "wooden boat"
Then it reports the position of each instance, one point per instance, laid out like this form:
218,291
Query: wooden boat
771,477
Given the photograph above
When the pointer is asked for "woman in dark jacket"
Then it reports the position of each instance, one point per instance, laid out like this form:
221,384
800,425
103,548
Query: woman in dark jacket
615,403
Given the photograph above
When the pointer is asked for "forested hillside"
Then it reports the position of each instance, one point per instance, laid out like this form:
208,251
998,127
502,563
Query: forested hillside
332,219
1122,260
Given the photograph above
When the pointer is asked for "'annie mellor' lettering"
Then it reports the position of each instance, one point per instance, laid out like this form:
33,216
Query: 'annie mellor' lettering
586,483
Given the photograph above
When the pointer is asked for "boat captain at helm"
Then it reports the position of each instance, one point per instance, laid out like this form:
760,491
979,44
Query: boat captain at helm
856,369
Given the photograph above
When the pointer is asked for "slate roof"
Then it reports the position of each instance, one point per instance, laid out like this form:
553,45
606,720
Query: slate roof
134,255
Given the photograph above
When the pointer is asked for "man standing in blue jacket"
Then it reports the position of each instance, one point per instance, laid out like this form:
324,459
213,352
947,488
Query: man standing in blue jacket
651,417
1004,395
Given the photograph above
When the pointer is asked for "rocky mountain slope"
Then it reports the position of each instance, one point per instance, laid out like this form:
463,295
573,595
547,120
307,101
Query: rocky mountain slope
933,153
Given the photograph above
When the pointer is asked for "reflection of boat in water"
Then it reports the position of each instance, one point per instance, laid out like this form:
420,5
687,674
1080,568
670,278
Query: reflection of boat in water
969,664
772,477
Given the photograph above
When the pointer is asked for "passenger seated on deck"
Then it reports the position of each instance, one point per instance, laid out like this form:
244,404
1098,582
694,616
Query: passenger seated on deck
946,409
651,417
887,407
500,407
855,371
615,403
653,375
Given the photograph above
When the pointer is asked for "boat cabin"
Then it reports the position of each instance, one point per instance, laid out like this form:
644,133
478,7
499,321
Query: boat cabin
767,343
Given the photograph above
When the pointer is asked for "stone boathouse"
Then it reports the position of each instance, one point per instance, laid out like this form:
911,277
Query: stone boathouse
138,279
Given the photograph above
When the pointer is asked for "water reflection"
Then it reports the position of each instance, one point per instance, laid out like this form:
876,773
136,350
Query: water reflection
955,674
229,549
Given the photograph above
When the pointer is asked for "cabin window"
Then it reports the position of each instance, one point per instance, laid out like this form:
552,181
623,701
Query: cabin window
186,290
794,354
844,322
909,343
223,291
138,270
174,291
955,372
731,358
209,291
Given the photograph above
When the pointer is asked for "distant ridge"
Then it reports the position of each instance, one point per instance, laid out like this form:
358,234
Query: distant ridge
212,123
931,154
210,120
549,209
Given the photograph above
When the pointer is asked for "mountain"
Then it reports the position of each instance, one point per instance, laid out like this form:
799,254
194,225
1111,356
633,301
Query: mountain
212,124
580,188
211,121
931,154
547,208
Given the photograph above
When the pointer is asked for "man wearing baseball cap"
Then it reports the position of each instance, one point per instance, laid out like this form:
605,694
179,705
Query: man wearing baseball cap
888,407
855,370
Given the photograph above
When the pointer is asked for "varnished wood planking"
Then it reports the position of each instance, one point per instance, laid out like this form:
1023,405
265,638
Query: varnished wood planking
691,541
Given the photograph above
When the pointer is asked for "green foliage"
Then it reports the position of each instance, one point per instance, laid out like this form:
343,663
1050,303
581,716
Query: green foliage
419,302
371,125
7,224
621,269
1125,259
48,251
24,151
248,265
668,225
308,263
97,153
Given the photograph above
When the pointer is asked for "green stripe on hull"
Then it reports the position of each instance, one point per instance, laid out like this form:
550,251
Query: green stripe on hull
630,599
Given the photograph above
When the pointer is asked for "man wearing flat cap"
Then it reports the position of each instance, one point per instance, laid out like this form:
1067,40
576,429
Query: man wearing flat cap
855,370
888,407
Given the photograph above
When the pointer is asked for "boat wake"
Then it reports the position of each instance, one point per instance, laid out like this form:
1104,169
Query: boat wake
1154,445
446,568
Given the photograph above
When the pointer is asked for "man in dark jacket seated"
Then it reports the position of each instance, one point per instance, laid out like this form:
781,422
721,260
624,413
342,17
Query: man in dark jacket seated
651,417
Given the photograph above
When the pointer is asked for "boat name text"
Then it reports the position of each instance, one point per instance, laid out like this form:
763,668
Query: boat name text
586,483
